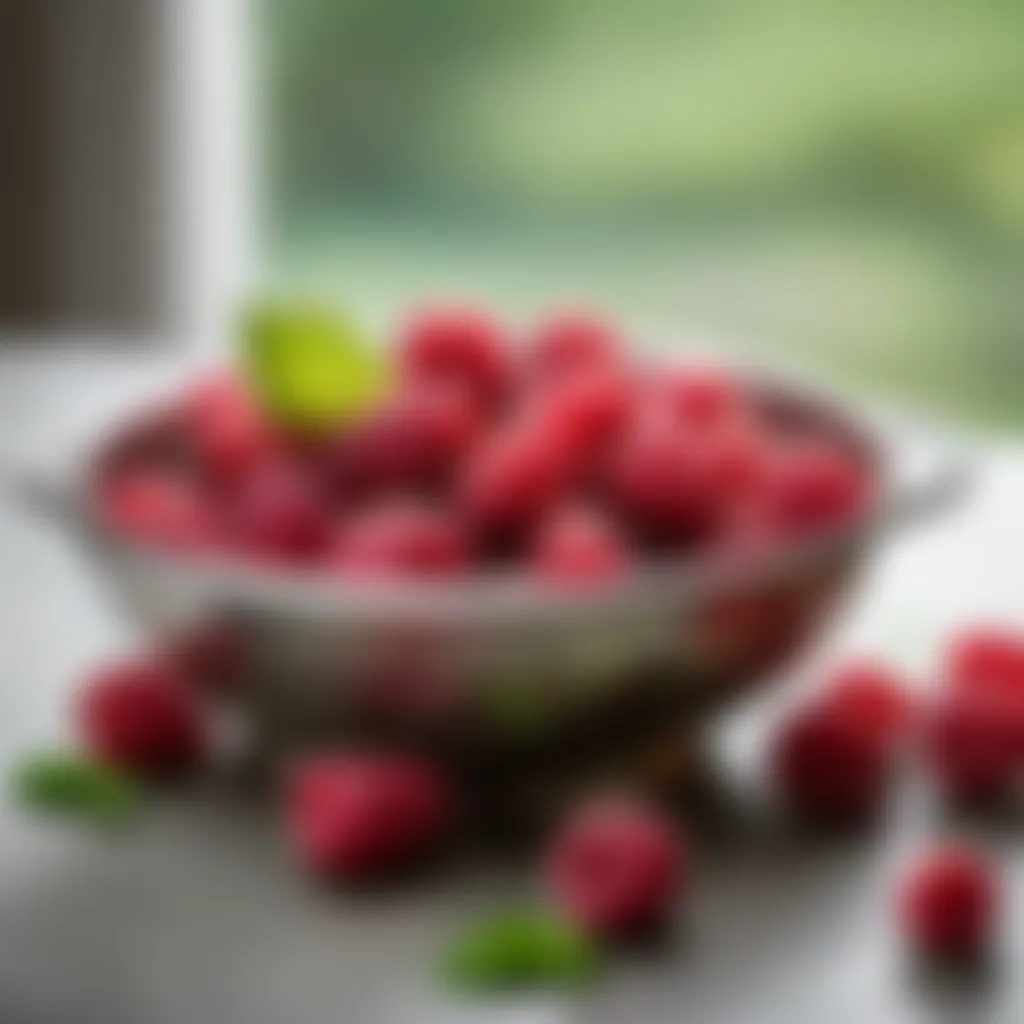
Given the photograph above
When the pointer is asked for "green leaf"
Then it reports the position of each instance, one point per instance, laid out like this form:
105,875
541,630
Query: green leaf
521,948
68,784
309,366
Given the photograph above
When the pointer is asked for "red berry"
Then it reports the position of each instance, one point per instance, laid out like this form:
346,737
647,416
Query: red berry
213,394
615,868
987,658
812,487
585,411
948,902
459,344
140,717
701,397
573,340
578,546
230,436
279,513
660,481
351,816
973,745
828,768
416,439
512,480
400,539
154,505
875,698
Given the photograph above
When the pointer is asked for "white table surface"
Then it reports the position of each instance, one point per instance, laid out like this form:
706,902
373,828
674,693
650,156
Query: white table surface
194,918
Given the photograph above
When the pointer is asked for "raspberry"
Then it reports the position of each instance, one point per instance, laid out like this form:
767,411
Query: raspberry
212,394
457,344
512,480
701,397
973,745
615,868
414,440
585,411
948,902
153,505
140,717
230,441
660,482
572,340
987,658
812,487
352,816
400,539
279,513
873,697
578,546
829,769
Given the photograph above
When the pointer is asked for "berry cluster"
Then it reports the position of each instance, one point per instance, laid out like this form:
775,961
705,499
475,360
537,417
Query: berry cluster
559,455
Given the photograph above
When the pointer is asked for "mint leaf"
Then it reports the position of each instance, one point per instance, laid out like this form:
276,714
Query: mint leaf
69,784
520,948
309,366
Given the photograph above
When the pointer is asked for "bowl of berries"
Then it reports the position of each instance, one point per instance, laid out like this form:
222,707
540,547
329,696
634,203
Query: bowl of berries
489,545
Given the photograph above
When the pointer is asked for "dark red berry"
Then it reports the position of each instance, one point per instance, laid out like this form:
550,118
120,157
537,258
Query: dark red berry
573,340
987,658
874,697
352,816
812,487
512,480
416,439
659,480
972,742
829,769
153,505
458,344
948,903
616,867
578,547
400,539
142,718
280,514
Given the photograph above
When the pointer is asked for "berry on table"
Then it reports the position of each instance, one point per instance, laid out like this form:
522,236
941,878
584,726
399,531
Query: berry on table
972,744
829,768
616,867
986,658
874,697
140,717
948,902
353,816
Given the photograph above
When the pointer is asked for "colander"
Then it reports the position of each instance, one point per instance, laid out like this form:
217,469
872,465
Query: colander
498,664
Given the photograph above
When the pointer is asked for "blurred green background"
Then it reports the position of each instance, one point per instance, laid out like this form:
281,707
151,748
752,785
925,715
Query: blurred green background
839,183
